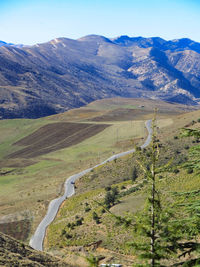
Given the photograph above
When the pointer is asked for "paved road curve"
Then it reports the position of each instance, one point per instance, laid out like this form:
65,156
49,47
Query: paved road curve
37,239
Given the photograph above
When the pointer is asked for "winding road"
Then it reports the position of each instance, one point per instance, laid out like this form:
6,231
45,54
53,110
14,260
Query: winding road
37,239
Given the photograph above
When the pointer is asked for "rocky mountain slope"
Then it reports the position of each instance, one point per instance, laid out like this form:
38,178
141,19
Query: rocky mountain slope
62,74
15,253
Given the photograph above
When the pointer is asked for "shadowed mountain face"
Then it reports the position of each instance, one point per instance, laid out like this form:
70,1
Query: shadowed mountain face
53,77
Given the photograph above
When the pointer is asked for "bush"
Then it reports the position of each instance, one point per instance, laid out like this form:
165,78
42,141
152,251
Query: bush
87,209
175,171
68,236
95,217
63,232
148,154
103,211
69,225
138,148
177,151
111,197
175,137
109,200
115,191
190,170
72,225
79,222
198,120
108,188
186,147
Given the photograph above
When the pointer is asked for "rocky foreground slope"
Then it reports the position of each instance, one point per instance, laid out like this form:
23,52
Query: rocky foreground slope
61,74
15,253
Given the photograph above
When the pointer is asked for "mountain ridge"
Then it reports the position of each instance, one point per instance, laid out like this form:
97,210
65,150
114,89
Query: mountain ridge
63,73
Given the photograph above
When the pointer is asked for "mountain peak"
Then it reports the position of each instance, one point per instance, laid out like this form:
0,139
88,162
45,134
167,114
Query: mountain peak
125,40
94,38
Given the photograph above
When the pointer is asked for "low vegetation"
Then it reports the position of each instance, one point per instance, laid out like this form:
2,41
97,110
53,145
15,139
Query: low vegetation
110,210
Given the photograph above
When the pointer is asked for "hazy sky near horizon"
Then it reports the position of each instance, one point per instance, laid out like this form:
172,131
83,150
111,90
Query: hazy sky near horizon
37,21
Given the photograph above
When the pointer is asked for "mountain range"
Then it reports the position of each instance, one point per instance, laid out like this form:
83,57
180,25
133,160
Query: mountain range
53,77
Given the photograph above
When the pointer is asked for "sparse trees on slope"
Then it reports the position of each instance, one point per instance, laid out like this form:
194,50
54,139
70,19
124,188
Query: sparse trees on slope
162,233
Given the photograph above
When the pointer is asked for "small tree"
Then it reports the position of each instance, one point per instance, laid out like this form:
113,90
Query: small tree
193,162
111,197
134,174
161,231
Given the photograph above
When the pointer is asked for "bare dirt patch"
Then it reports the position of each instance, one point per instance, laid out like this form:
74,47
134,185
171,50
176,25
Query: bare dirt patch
55,136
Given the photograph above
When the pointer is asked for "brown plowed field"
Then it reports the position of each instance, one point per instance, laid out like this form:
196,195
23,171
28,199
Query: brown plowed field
54,136
122,115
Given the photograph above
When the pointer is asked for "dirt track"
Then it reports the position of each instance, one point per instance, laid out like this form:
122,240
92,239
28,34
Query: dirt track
55,136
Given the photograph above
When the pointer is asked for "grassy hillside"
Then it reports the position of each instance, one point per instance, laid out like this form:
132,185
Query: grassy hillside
36,156
67,235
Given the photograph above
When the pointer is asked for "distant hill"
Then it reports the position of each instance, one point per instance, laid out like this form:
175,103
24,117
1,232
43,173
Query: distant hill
15,253
53,77
2,43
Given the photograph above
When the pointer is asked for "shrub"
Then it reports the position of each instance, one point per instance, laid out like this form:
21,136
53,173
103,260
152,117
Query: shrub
87,209
138,148
103,211
108,188
69,225
177,151
175,137
63,232
68,236
190,170
79,222
115,190
175,171
95,217
148,154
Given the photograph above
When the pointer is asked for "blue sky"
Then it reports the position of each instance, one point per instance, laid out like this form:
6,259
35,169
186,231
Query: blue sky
36,21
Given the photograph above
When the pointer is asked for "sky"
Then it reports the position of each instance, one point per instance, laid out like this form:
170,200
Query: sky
37,21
